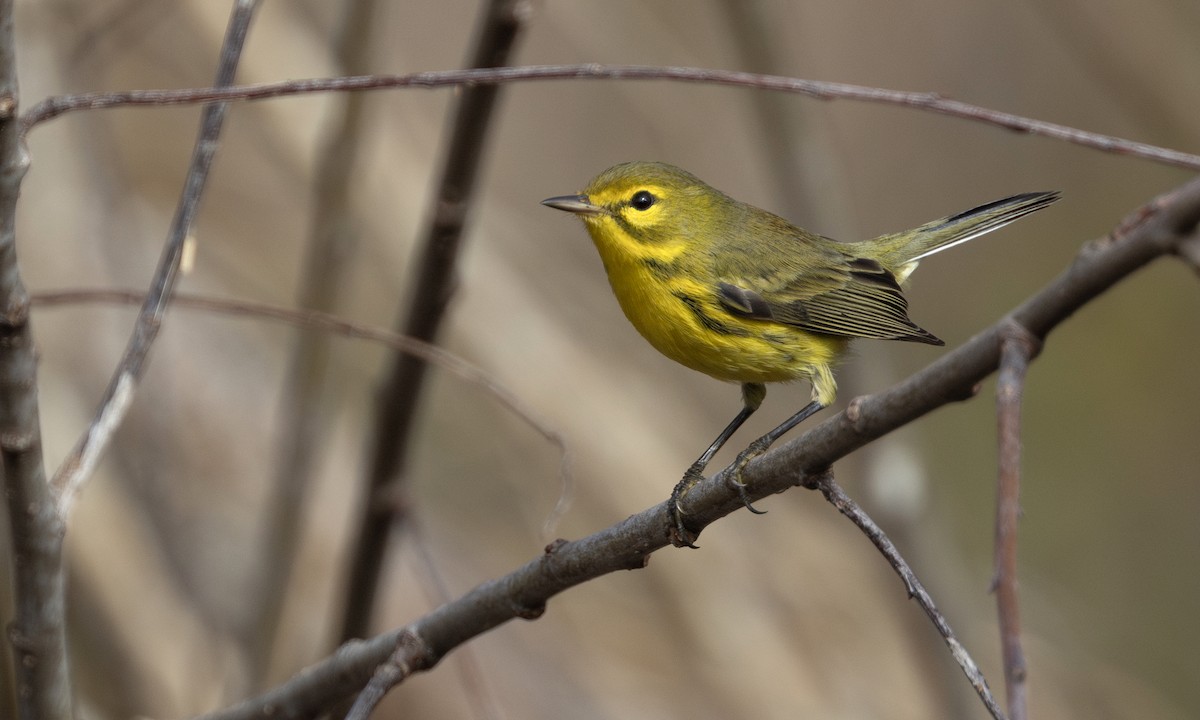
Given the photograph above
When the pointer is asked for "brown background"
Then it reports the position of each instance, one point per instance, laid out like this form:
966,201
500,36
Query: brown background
788,615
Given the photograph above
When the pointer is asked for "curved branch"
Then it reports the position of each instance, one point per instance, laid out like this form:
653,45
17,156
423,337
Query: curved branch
1160,228
333,324
54,106
79,463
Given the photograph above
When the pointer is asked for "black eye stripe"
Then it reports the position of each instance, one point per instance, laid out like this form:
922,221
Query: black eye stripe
642,200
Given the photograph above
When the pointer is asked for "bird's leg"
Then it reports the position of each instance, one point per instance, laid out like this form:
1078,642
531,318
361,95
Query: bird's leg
752,397
761,445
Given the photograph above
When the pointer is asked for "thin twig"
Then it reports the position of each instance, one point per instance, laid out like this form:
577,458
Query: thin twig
410,652
1017,350
1153,231
437,591
837,497
54,106
38,628
410,655
325,322
117,25
432,285
79,463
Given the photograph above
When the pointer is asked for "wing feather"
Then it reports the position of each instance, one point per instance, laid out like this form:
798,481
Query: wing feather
852,297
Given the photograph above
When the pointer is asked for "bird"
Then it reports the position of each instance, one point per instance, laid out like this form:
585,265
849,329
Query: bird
742,295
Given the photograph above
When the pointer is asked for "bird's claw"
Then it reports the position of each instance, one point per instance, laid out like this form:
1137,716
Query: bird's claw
735,476
737,484
680,535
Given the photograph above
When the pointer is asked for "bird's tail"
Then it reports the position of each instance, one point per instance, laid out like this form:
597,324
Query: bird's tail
902,251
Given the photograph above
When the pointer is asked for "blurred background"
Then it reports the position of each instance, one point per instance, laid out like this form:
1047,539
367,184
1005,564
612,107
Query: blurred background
789,615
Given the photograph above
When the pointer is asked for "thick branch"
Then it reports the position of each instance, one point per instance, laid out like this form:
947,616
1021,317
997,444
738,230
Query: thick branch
933,102
1154,230
37,631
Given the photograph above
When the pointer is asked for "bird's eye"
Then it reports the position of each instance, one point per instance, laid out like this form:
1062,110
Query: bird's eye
642,200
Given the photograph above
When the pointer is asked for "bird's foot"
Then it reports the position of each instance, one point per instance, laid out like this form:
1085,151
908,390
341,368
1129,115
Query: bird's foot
680,535
758,447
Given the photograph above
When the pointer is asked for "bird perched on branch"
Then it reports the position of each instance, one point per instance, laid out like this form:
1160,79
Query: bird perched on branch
742,295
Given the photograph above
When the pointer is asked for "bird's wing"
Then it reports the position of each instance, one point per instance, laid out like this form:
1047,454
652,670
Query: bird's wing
839,295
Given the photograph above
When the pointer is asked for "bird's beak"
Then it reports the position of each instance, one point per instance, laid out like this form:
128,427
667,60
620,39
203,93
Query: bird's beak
578,204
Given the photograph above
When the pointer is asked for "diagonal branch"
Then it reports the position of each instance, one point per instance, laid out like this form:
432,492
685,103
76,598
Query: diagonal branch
316,322
1155,230
81,461
837,497
933,102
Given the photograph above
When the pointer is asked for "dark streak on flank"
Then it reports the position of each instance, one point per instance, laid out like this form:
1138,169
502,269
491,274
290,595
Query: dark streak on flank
706,320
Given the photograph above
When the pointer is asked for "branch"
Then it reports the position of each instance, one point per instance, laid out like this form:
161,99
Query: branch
435,273
81,461
315,321
54,106
845,505
410,649
1155,230
471,676
38,628
1017,351
326,322
408,657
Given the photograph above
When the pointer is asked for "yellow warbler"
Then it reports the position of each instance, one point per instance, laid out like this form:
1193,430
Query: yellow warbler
743,295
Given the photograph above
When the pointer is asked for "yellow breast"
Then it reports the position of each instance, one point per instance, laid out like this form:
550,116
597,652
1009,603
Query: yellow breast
683,319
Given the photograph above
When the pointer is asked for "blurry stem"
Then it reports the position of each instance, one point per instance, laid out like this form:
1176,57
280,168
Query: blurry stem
38,627
1111,63
794,149
433,280
1018,348
105,667
117,24
324,322
81,461
332,240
